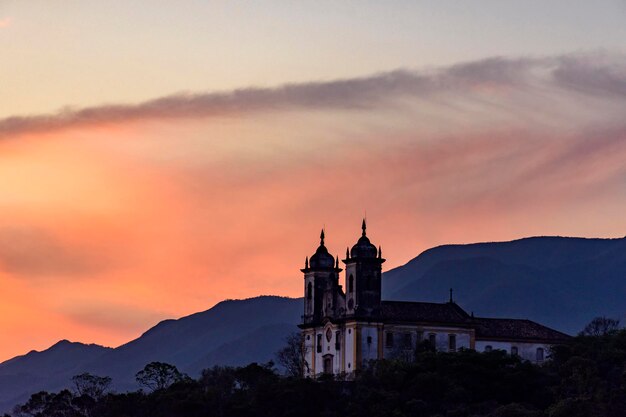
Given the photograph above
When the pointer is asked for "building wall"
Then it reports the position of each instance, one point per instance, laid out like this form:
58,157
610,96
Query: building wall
369,342
309,352
360,342
316,352
420,333
350,350
527,351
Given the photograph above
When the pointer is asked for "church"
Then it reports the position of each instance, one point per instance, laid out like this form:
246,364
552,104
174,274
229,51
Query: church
344,327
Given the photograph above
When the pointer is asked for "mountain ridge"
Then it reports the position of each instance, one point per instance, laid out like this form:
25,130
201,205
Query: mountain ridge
558,281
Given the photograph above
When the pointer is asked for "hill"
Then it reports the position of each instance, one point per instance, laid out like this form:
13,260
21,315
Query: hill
233,332
557,281
50,369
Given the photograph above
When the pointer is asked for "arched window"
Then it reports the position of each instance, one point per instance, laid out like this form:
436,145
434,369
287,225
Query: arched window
488,348
539,354
309,291
351,284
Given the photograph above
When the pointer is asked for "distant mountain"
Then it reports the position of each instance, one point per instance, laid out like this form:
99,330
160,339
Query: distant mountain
50,369
559,282
233,332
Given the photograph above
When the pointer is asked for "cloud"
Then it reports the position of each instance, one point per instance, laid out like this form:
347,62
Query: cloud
113,316
5,22
31,252
570,72
592,75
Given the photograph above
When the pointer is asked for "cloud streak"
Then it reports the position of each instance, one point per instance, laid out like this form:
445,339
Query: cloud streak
172,218
5,22
29,252
578,73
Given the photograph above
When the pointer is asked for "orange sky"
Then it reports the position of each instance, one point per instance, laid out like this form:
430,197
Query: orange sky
112,219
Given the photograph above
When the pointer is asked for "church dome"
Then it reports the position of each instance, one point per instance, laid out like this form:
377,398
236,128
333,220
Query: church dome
321,258
363,248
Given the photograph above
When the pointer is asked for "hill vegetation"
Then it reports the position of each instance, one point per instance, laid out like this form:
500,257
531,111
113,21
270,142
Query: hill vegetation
585,378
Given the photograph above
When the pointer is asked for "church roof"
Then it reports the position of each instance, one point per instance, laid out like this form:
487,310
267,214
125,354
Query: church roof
406,311
486,328
321,259
363,247
515,329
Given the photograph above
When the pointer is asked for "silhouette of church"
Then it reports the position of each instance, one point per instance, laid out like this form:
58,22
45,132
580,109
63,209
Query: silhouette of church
342,330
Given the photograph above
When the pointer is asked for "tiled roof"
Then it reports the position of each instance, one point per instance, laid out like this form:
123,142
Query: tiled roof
445,313
486,328
515,329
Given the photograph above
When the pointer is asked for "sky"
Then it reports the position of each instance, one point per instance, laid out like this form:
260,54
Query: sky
158,157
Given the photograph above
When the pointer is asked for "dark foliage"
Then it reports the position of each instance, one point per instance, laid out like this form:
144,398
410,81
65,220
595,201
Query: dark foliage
291,356
600,326
156,376
587,378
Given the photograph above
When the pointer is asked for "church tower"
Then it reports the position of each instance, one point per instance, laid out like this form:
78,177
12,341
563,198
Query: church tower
321,285
363,278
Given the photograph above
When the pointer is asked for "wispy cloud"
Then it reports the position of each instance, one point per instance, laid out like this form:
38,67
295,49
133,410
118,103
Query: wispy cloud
5,22
607,77
183,214
30,253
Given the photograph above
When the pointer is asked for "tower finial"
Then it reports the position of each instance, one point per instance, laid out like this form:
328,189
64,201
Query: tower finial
363,226
337,262
451,296
347,252
306,263
322,238
380,252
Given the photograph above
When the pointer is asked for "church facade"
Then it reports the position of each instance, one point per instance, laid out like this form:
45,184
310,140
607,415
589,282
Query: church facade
345,326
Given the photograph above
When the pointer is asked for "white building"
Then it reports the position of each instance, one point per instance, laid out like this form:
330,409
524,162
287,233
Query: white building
343,330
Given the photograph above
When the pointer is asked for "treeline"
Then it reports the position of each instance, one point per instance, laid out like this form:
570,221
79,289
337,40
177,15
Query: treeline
585,378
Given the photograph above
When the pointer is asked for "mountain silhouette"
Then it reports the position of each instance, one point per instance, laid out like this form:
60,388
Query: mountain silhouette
560,282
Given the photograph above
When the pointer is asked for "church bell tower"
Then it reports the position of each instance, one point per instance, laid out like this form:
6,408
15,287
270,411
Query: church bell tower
321,285
363,278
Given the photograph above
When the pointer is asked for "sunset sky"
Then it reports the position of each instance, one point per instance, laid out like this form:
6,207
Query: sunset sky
157,157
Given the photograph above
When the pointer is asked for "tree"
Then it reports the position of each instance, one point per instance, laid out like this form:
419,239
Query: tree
292,356
93,386
44,404
601,326
158,375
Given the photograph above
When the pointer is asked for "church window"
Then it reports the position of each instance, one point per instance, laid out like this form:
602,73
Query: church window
488,348
309,291
514,351
389,339
539,354
407,341
452,343
319,343
420,337
432,340
369,340
337,341
351,284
